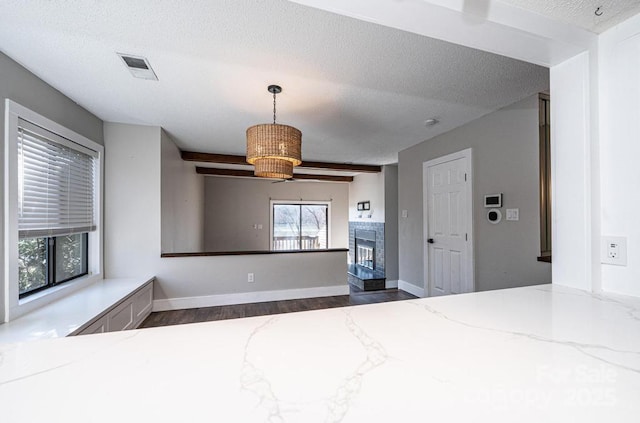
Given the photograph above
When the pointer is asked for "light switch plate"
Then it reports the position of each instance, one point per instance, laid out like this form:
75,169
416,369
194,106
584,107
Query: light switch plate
614,250
513,214
405,213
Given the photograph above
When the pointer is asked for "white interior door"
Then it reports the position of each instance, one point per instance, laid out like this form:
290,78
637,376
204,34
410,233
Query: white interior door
448,219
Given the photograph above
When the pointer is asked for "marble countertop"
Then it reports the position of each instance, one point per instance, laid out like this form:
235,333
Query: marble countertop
534,354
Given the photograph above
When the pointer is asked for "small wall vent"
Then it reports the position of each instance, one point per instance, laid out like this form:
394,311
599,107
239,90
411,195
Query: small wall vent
138,66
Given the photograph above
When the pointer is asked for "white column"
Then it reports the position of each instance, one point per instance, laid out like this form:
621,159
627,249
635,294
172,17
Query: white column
572,173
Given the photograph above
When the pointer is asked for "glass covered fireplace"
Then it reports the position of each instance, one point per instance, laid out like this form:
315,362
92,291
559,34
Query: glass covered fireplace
365,249
365,270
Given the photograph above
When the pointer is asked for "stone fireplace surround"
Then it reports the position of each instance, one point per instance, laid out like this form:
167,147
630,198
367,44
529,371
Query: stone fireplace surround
363,278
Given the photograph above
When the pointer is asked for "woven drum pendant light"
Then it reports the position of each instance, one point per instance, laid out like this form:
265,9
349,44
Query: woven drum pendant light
274,149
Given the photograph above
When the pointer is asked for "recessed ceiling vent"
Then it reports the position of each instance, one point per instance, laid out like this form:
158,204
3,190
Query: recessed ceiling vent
138,66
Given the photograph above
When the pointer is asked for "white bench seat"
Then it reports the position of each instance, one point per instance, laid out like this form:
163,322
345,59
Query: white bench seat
105,306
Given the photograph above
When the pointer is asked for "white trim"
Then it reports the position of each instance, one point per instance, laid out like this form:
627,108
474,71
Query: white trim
13,307
390,284
49,125
411,289
248,297
466,154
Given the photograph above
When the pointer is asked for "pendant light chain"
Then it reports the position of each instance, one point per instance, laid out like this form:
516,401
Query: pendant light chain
274,107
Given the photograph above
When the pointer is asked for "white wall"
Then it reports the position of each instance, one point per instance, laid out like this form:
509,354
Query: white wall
367,187
234,205
182,197
505,159
595,109
133,228
619,80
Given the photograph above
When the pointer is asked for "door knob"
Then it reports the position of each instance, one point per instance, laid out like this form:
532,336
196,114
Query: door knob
430,241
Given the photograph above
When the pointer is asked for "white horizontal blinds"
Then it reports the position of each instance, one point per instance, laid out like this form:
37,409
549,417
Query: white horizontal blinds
56,180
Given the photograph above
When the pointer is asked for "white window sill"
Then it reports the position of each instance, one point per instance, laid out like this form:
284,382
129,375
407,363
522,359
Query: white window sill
51,291
42,298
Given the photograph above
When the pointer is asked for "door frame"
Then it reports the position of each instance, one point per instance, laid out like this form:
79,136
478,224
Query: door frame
468,155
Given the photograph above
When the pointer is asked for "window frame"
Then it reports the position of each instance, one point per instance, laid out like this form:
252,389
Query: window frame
272,203
13,305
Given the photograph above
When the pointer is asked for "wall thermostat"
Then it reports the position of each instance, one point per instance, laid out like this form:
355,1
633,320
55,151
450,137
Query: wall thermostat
494,216
493,200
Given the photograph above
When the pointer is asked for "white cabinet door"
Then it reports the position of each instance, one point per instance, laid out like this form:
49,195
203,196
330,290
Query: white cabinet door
126,315
142,302
121,318
99,326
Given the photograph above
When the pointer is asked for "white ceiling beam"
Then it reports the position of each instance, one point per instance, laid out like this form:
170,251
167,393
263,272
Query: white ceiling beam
481,24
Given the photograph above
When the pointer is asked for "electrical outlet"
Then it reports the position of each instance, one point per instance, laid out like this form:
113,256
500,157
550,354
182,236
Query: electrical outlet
614,250
250,278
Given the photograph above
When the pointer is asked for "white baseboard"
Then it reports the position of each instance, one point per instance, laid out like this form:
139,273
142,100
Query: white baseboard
248,297
411,289
390,284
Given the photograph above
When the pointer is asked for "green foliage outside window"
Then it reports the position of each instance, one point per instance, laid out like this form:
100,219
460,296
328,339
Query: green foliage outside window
32,264
35,269
69,257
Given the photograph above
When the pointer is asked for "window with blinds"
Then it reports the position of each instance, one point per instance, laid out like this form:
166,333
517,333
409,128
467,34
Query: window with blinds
56,208
56,184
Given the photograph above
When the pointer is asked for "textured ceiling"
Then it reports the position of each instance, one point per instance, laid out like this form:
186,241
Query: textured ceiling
581,13
360,92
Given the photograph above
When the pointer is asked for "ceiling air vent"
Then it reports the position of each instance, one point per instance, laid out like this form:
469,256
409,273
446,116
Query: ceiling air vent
138,66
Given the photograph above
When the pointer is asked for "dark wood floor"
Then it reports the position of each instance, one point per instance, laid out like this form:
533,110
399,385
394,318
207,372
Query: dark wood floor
194,315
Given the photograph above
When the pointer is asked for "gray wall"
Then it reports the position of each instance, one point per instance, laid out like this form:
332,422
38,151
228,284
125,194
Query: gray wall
182,207
391,222
23,87
505,159
234,205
